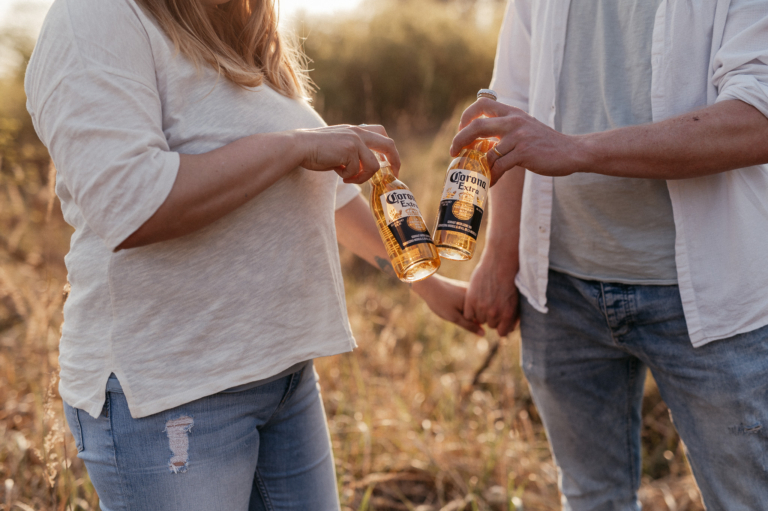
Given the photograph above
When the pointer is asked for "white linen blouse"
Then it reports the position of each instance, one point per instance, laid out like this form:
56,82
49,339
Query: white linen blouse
240,300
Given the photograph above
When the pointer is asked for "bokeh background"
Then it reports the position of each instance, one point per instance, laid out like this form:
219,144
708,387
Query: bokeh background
423,415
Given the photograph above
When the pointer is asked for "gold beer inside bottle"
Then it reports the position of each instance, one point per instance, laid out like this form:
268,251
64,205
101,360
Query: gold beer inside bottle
412,263
459,246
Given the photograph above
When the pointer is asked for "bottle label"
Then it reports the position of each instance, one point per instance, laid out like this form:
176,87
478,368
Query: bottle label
461,206
404,218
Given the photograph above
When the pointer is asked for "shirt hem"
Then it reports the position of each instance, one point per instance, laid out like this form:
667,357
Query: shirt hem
703,340
617,280
92,405
530,296
347,194
168,402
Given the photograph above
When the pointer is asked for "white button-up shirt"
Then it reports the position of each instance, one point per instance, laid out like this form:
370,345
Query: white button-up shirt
703,51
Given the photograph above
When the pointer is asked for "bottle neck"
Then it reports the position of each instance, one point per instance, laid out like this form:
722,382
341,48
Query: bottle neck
383,175
482,145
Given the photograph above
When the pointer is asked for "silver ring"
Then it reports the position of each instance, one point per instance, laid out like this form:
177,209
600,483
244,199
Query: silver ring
487,93
497,152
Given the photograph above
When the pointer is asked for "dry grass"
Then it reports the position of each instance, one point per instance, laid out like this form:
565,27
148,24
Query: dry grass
409,430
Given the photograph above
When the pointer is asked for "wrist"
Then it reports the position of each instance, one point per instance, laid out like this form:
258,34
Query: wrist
585,154
425,286
502,251
300,147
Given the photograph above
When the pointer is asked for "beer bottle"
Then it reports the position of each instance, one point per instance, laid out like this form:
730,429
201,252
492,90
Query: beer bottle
403,231
465,193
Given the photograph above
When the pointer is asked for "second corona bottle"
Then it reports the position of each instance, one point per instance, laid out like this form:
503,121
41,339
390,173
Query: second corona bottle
403,231
464,198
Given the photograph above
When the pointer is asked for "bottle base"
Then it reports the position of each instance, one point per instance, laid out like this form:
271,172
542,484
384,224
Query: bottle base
420,271
453,253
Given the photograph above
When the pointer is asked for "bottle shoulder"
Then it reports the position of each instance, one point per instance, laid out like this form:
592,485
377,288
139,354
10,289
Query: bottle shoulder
388,186
471,160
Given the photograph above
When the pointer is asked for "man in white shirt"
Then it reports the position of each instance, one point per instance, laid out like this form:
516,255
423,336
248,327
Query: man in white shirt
637,234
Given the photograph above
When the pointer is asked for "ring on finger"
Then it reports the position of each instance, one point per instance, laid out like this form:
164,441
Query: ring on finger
495,150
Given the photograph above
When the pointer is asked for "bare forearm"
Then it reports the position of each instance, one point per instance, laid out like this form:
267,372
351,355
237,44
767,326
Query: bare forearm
356,231
724,136
211,185
503,229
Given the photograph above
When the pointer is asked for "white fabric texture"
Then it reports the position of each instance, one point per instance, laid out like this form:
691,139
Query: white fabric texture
702,52
252,294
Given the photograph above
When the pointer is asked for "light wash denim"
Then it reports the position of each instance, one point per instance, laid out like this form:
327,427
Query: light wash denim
266,448
586,362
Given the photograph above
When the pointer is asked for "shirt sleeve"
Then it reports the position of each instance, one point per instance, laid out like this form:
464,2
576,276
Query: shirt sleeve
345,192
511,71
102,119
741,63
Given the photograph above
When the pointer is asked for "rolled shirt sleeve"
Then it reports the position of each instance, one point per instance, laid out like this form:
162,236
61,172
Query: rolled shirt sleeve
741,63
97,108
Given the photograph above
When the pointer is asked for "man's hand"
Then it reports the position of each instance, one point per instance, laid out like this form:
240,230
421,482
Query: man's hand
446,298
492,296
523,141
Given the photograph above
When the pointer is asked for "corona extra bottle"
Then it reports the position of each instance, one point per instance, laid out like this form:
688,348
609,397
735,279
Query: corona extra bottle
465,193
405,235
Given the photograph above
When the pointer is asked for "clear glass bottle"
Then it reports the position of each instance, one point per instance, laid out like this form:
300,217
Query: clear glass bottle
464,197
411,251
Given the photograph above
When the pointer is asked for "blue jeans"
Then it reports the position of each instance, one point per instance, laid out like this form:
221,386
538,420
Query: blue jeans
586,361
266,448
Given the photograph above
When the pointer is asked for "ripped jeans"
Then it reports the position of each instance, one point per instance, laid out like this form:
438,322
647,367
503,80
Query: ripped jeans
586,363
265,448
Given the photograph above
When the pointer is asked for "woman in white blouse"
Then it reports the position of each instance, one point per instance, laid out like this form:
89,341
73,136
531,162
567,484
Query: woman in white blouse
204,270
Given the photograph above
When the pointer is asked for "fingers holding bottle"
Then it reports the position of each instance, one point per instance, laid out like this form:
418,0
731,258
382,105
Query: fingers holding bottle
381,142
347,150
483,107
524,141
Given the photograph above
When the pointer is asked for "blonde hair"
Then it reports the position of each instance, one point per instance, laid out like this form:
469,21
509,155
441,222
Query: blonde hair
240,39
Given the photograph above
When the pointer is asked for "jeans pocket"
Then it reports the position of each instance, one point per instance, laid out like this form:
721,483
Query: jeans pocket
73,419
294,382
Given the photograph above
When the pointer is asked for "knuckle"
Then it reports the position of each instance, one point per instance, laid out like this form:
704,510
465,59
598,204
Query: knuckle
516,121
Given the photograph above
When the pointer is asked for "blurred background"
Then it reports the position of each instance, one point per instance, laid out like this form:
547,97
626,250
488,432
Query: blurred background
423,416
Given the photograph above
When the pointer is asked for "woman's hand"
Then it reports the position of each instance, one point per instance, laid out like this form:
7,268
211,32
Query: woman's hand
446,298
347,150
523,141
